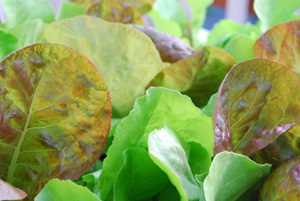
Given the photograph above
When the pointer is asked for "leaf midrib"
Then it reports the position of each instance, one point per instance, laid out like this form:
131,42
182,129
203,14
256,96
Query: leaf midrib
12,166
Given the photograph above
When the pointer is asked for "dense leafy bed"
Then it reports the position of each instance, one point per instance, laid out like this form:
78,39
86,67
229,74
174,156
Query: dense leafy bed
175,117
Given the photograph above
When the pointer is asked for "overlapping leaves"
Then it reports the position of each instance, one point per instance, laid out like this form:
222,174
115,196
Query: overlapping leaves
257,102
55,116
127,65
281,43
199,75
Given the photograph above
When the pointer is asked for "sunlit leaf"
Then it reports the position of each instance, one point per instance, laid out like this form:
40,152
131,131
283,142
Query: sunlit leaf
115,11
70,9
166,151
65,191
281,43
273,12
152,111
55,116
127,64
8,44
20,11
257,102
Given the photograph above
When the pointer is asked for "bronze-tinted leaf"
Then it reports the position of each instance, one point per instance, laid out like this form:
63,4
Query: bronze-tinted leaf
217,65
54,116
199,75
8,192
284,183
258,101
115,11
182,74
281,43
170,48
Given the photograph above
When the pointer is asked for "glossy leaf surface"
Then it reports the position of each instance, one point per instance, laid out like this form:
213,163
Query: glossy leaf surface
284,183
139,178
115,11
273,12
281,43
257,102
66,191
55,116
231,175
152,111
20,11
170,48
166,151
8,192
127,64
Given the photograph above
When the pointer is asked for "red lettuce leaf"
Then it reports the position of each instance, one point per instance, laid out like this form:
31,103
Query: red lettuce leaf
54,116
281,43
284,183
258,101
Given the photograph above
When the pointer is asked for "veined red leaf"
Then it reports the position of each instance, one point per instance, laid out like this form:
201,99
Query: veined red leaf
258,101
54,116
281,43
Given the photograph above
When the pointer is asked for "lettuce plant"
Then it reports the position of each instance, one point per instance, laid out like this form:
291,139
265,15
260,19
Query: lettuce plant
191,121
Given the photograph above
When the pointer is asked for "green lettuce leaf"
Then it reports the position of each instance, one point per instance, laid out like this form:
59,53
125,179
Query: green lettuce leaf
152,111
240,47
8,44
66,191
139,178
231,175
207,109
69,10
55,110
273,12
28,32
166,151
19,11
127,64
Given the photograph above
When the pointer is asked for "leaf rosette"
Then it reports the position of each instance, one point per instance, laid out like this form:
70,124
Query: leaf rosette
54,116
